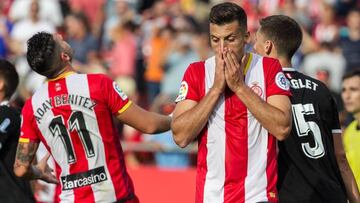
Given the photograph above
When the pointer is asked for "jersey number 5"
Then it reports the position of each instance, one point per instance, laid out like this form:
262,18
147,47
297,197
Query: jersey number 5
308,131
76,122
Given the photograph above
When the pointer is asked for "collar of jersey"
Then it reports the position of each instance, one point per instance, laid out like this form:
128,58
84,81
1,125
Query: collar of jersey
62,75
248,64
4,103
288,69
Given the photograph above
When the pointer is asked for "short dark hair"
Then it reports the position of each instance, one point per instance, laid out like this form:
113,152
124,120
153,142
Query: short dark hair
285,33
228,12
10,76
353,73
43,54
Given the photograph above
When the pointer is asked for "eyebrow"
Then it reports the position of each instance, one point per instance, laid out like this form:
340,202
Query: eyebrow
227,36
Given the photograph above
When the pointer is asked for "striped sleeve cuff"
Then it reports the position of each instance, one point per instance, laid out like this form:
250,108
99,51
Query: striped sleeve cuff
125,107
336,131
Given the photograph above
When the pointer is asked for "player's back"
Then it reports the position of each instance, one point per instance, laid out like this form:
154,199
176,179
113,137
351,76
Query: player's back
308,170
72,116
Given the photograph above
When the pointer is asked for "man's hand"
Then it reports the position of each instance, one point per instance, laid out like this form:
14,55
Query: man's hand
219,80
45,171
234,71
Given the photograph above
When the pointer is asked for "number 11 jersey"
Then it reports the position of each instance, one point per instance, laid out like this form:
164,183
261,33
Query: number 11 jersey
72,116
308,171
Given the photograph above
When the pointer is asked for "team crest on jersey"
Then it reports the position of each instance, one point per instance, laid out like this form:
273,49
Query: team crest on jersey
257,89
182,92
281,81
119,91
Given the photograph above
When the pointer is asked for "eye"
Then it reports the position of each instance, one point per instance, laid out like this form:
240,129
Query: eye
214,39
231,39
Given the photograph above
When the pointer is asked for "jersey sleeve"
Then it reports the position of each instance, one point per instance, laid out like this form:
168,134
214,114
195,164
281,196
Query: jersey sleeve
115,98
28,131
189,87
276,82
333,119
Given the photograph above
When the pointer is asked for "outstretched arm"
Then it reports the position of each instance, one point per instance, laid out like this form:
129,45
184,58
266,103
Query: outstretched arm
23,168
145,121
345,170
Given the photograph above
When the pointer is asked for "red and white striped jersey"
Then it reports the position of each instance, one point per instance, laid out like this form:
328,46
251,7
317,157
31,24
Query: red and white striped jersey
72,116
236,155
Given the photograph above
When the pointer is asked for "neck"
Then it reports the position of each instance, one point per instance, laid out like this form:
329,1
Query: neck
284,62
67,68
357,117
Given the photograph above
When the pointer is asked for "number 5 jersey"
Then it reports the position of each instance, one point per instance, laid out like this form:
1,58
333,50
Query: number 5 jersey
308,171
72,116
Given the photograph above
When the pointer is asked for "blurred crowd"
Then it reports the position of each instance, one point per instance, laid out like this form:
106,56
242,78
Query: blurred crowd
146,45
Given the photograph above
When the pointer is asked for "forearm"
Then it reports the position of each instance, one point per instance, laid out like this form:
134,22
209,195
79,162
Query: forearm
348,178
277,122
158,123
187,126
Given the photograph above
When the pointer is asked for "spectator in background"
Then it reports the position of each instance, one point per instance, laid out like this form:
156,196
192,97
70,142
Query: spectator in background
93,10
351,97
21,32
326,30
350,40
310,159
79,36
323,75
12,189
123,53
49,10
155,63
5,29
176,62
123,14
326,58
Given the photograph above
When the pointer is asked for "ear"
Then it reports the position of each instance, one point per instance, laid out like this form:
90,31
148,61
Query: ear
2,85
64,56
247,37
269,46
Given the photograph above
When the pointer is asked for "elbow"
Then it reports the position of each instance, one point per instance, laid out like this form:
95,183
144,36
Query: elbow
179,141
179,137
283,133
20,172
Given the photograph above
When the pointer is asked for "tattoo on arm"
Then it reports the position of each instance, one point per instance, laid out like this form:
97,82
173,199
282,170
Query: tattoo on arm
25,152
24,156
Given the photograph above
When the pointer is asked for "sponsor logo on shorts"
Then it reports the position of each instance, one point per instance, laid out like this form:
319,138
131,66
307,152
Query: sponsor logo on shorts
78,180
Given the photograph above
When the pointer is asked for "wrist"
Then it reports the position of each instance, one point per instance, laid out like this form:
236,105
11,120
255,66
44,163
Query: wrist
215,91
240,89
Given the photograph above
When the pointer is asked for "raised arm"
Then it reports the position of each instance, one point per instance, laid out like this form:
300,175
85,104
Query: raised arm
190,117
145,121
274,114
352,190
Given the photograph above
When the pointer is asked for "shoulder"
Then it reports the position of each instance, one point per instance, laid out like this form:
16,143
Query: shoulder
8,111
352,127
